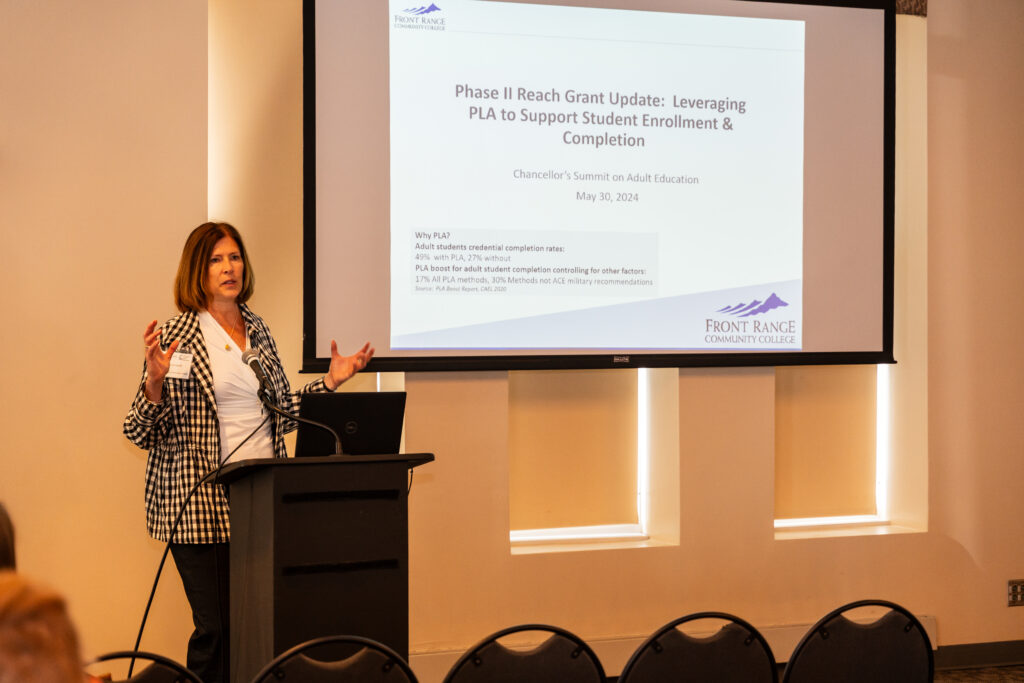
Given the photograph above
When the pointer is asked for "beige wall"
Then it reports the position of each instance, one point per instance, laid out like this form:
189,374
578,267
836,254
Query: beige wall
976,318
103,171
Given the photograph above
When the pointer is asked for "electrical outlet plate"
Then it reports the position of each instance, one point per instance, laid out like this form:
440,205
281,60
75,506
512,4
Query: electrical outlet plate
1015,593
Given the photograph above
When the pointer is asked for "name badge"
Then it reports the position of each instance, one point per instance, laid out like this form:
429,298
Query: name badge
181,365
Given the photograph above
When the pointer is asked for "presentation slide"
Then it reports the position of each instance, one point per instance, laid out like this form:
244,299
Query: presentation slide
582,178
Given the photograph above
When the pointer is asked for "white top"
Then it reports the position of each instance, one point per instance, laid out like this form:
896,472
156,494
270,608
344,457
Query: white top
239,410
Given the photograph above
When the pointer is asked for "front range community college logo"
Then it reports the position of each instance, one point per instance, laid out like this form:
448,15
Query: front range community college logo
737,326
429,18
422,10
755,307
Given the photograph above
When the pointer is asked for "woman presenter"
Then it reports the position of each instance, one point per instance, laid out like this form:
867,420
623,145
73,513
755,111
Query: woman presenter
196,404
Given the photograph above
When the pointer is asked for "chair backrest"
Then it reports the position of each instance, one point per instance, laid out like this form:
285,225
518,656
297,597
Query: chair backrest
154,668
561,658
366,661
735,652
894,648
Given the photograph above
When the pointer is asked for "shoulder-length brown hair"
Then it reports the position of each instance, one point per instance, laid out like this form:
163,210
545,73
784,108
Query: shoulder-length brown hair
190,285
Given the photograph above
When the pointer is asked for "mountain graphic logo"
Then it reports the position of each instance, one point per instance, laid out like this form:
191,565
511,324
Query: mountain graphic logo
755,307
423,10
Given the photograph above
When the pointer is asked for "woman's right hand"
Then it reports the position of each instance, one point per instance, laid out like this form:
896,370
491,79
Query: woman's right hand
158,362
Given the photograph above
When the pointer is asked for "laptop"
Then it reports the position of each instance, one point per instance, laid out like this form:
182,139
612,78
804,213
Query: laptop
369,423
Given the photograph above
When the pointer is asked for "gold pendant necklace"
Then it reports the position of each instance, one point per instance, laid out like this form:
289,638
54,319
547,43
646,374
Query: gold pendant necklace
231,334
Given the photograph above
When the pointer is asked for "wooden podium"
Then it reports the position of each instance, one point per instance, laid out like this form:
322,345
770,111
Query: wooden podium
319,547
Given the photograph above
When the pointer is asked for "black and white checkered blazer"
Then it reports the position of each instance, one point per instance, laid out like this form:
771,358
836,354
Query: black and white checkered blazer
183,436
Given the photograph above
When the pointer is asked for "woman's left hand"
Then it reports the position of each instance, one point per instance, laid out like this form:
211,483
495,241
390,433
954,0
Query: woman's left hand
343,367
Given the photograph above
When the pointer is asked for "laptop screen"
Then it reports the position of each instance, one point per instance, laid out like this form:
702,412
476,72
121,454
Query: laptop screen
369,423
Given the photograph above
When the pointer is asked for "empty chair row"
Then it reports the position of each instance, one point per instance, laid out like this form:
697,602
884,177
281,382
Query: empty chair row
892,648
331,659
837,649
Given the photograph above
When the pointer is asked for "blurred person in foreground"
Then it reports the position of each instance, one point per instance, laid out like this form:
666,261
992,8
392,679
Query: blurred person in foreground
38,643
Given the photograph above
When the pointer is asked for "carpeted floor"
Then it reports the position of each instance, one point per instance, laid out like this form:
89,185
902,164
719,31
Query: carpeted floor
1008,673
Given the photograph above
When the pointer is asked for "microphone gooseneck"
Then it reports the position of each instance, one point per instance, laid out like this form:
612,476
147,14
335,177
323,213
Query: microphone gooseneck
250,358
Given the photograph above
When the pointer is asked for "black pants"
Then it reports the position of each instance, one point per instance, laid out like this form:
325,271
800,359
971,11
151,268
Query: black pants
204,572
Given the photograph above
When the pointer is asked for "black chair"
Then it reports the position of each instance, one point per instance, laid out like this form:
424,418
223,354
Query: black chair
893,648
159,669
735,652
561,658
352,659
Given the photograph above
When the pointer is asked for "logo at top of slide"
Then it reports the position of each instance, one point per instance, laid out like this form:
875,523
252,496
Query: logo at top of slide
429,18
755,307
422,10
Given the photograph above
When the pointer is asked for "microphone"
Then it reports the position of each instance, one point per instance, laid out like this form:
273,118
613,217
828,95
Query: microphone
252,359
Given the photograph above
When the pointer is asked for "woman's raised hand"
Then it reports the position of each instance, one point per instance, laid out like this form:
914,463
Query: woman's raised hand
158,362
343,367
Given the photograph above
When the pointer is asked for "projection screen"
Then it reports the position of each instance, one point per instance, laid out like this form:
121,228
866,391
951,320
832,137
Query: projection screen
507,185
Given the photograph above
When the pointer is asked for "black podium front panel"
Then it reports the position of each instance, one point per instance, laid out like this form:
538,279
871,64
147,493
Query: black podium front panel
319,546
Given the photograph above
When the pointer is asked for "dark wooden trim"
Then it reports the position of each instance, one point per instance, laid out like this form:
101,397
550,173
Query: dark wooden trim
918,7
977,655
